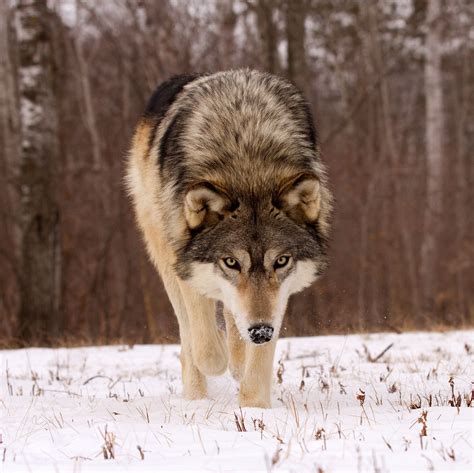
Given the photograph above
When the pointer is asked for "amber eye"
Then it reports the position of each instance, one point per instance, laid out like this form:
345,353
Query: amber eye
281,262
232,263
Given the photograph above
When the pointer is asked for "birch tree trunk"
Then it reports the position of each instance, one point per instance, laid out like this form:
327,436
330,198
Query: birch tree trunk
40,269
434,152
9,131
9,159
8,106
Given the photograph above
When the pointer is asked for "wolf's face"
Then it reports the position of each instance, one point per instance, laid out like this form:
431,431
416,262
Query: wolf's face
253,253
255,284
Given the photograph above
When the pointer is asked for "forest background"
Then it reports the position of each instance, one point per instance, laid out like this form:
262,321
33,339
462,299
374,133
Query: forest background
391,85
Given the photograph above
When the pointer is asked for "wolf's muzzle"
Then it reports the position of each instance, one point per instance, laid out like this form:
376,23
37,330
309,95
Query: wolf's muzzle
260,333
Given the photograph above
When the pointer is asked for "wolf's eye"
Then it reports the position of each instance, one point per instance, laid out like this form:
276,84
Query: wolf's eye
232,263
281,262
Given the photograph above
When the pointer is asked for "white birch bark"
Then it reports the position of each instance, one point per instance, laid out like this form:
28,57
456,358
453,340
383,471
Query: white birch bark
41,260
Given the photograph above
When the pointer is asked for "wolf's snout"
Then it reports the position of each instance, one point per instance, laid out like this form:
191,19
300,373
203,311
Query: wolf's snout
261,333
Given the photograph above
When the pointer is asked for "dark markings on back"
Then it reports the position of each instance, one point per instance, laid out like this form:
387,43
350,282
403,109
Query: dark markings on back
163,98
171,155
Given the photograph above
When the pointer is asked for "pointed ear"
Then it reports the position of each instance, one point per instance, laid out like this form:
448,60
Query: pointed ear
301,199
204,205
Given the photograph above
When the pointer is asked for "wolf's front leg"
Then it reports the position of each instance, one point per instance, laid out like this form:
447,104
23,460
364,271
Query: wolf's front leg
236,346
208,345
194,382
256,385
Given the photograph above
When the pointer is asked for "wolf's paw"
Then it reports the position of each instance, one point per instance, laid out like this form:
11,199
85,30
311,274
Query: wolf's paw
254,401
210,355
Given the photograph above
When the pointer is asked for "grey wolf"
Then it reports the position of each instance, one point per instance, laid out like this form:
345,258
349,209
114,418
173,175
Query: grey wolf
231,195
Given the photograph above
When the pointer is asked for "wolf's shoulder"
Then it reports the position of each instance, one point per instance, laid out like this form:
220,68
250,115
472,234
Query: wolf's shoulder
165,94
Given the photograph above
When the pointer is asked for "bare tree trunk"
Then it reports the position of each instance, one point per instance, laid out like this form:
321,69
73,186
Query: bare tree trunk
9,158
268,34
295,13
434,152
364,255
228,22
83,69
394,161
9,128
39,312
462,187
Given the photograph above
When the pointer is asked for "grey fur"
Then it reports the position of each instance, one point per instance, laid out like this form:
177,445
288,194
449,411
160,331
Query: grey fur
246,132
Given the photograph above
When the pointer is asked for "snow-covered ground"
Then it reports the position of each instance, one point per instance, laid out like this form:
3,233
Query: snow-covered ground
339,404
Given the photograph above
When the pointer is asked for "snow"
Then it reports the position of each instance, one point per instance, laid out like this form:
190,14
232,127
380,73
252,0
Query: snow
339,407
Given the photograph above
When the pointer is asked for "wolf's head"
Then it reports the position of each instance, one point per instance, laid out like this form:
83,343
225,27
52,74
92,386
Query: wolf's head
252,251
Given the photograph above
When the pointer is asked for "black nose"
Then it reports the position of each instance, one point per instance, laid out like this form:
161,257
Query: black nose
260,333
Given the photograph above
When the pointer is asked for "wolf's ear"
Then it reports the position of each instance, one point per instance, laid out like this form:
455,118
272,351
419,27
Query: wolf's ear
301,198
204,205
